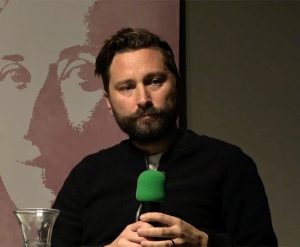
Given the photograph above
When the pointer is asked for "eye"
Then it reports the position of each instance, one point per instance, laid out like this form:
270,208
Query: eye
126,87
155,79
81,71
17,74
154,82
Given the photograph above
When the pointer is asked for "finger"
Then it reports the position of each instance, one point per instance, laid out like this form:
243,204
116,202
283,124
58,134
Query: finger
122,242
159,217
146,225
167,243
134,239
136,225
158,232
130,235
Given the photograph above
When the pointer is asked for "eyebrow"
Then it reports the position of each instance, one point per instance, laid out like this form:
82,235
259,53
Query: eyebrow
147,77
14,58
74,51
162,74
69,54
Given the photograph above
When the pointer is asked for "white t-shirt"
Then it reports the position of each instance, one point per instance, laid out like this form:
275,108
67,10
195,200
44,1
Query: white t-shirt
153,161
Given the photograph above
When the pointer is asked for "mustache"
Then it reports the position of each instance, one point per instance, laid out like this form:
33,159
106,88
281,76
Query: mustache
147,112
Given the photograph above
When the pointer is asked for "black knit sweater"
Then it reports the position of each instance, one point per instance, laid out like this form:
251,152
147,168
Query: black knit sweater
210,184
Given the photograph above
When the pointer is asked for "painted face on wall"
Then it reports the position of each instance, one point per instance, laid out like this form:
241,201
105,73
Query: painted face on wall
49,96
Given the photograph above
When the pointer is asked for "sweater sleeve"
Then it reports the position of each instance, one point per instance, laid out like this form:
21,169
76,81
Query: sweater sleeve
67,230
246,213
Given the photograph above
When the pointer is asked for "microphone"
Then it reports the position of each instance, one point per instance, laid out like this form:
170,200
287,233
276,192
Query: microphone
150,191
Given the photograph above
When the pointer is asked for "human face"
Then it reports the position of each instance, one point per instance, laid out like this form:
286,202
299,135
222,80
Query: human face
142,94
37,60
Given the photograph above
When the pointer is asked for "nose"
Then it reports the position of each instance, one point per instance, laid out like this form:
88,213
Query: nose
36,133
143,97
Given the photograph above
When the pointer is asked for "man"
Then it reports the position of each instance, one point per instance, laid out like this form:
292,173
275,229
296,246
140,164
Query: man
214,194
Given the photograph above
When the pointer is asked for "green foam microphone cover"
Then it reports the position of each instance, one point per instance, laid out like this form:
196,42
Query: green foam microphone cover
151,186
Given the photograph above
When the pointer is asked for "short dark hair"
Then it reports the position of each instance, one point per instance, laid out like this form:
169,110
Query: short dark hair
129,39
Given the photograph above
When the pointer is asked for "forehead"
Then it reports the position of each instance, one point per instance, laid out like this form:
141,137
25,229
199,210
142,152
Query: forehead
142,59
27,26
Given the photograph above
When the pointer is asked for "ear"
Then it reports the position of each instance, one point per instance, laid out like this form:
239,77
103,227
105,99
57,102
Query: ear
108,102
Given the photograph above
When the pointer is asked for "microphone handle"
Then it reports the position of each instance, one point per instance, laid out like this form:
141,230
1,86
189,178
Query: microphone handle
150,207
147,207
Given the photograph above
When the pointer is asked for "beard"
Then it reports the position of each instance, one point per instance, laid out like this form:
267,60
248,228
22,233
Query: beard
148,124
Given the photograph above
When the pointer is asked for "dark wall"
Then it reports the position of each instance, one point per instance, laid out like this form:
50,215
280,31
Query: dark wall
243,74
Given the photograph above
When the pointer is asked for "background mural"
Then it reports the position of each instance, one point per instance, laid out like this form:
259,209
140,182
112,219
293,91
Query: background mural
52,110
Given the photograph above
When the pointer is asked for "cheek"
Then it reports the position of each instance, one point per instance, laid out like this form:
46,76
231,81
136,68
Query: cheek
165,99
123,106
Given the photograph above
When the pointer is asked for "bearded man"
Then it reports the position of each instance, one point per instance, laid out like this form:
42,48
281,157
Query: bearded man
215,196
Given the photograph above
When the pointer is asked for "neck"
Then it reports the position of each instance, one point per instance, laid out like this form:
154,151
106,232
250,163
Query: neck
158,146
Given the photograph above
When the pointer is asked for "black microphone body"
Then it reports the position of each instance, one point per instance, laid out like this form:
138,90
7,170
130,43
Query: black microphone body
147,207
150,207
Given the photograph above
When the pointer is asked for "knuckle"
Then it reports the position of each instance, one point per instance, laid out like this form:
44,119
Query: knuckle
180,223
160,215
168,244
163,231
181,233
179,229
127,227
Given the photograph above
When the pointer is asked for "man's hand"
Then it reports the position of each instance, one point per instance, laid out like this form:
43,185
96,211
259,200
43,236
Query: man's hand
129,237
173,232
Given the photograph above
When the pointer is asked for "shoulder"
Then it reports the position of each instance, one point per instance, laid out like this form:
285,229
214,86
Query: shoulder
214,149
95,170
101,160
191,139
237,167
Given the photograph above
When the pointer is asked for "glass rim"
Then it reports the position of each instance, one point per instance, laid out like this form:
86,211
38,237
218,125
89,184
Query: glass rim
36,210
